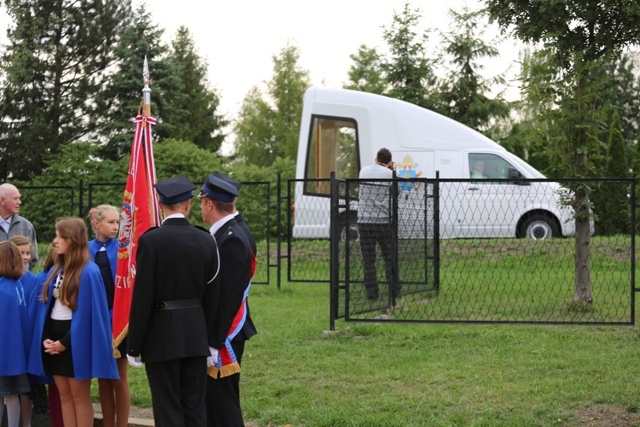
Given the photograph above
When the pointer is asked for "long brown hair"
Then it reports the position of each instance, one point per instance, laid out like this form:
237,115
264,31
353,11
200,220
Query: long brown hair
74,231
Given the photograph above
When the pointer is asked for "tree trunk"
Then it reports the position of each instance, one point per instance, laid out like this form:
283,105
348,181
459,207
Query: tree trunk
582,291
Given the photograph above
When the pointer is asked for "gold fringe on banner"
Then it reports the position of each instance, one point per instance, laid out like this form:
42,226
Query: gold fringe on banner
116,342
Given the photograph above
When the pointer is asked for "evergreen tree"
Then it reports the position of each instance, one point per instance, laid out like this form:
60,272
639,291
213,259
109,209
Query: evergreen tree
610,201
621,94
408,72
121,98
366,74
463,92
286,90
57,60
192,108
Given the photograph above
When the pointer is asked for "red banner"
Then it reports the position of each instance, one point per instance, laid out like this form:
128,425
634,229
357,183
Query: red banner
139,213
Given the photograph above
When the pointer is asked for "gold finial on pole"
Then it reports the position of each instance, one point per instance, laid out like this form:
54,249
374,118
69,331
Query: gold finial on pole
146,91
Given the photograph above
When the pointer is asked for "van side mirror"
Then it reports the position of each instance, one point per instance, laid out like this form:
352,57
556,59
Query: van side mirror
516,174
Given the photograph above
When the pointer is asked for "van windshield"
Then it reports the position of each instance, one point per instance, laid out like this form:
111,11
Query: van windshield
526,166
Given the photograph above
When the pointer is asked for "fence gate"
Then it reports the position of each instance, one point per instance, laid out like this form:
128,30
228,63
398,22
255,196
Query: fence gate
487,272
375,264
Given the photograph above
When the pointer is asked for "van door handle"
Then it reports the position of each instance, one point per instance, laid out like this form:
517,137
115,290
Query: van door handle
473,188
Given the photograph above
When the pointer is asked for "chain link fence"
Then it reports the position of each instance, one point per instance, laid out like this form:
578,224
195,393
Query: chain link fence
476,251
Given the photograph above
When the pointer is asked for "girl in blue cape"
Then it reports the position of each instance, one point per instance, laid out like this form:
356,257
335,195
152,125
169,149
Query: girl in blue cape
28,280
72,333
15,339
115,397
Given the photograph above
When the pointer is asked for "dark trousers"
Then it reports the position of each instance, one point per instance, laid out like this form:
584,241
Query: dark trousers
223,396
370,236
178,389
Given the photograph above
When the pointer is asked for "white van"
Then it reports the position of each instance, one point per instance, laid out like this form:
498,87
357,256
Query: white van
342,130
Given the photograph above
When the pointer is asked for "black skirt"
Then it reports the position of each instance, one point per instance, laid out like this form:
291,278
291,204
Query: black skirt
58,364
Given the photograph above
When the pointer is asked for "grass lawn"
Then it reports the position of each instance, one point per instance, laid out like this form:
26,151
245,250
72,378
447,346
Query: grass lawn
296,372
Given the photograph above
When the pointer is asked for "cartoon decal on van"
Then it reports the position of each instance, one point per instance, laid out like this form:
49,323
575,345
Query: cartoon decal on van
408,169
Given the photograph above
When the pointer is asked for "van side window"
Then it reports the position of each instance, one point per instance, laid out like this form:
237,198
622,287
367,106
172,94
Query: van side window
483,166
332,146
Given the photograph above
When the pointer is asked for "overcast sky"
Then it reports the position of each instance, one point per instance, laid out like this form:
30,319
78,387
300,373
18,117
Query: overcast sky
239,38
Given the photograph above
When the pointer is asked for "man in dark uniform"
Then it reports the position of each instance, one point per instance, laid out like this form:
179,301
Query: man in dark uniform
176,264
232,324
238,215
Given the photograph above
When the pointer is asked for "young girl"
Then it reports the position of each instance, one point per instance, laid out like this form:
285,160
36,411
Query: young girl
28,281
55,408
72,339
114,394
15,335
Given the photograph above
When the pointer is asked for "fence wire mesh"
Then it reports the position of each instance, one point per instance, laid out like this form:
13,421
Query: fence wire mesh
501,256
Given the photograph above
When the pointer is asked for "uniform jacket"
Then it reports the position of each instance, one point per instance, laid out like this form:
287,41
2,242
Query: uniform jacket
247,232
90,330
175,261
236,260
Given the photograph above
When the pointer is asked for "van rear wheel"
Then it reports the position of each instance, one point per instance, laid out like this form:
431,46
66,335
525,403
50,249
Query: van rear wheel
349,229
539,227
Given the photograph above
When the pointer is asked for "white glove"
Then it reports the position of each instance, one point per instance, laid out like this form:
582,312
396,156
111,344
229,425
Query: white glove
211,360
134,361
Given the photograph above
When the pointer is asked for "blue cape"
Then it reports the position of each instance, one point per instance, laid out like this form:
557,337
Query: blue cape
90,331
15,333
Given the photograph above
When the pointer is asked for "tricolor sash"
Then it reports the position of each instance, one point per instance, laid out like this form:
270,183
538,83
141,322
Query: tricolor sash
227,363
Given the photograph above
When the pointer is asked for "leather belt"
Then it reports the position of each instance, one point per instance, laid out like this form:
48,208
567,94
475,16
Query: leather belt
177,304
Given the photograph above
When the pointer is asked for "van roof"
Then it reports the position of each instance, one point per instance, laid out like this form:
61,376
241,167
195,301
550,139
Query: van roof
412,127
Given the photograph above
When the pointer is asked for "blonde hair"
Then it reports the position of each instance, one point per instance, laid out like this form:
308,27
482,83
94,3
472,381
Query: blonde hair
74,231
99,212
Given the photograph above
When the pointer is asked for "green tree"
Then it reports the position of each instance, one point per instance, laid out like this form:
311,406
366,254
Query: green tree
59,55
463,92
408,71
49,199
366,74
191,111
268,130
621,94
610,201
121,98
579,34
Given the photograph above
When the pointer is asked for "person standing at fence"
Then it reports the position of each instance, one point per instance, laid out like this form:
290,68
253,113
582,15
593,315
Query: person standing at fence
176,265
15,333
72,338
11,223
115,397
232,322
374,223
